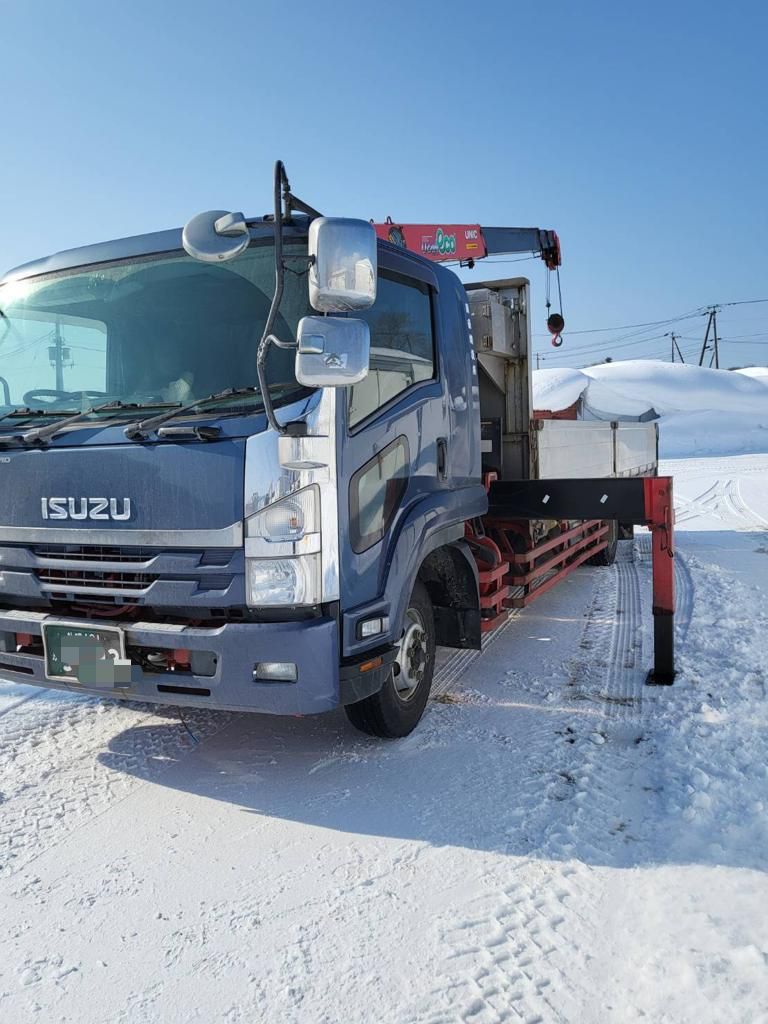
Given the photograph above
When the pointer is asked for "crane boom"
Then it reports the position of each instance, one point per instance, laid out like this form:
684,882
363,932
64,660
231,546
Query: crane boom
465,242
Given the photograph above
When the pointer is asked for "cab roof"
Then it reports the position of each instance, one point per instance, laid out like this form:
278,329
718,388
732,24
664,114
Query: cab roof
153,243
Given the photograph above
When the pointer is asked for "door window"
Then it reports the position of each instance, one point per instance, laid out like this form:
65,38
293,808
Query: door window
402,344
375,493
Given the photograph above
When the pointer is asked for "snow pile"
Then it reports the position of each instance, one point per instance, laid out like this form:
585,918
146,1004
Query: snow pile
678,387
557,389
702,411
758,372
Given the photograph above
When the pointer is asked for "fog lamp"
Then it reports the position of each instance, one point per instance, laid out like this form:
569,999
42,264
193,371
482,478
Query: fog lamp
372,627
275,672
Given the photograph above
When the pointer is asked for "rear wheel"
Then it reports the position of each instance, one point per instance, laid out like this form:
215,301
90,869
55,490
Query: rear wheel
396,709
608,555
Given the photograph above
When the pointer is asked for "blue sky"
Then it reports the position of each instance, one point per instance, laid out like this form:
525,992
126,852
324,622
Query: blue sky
636,131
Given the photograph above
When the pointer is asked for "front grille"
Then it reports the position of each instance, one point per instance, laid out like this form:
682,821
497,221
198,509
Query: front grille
67,579
193,582
93,553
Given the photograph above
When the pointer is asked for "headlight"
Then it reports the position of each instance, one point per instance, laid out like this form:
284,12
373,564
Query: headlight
282,547
288,520
283,581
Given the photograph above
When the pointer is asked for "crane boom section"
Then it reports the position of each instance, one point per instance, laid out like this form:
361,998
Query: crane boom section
444,242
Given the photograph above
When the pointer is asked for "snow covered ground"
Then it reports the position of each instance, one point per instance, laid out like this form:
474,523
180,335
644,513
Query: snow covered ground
555,843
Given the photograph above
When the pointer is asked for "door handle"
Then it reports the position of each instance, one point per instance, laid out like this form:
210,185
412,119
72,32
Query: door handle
442,458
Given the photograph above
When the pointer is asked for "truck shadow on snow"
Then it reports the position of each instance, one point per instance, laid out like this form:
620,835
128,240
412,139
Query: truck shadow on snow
482,773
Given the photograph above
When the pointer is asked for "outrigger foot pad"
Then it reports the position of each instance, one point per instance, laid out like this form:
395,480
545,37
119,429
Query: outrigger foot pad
660,678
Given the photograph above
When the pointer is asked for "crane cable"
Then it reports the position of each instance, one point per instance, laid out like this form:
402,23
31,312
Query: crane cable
555,321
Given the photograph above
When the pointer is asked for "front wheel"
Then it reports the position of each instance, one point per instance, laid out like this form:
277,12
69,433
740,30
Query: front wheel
398,706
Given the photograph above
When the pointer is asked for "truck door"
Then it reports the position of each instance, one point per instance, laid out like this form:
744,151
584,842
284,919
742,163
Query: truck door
395,427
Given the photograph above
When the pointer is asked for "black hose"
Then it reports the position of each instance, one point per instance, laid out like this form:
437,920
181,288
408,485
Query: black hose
266,338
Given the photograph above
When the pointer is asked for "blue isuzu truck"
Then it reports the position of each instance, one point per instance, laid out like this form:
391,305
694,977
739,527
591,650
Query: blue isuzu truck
246,465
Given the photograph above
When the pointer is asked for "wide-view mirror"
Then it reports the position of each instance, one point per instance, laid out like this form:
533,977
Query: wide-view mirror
215,236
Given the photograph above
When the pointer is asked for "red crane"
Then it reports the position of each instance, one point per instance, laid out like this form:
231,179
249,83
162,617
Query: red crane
467,243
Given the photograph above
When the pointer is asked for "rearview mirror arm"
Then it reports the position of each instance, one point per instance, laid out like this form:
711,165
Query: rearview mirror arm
282,191
281,179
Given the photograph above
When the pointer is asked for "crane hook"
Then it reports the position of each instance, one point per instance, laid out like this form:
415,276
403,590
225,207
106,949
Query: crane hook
555,326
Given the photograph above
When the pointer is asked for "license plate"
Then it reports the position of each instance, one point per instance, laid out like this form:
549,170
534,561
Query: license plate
86,655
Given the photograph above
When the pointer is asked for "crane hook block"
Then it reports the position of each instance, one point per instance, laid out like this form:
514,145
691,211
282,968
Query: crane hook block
555,323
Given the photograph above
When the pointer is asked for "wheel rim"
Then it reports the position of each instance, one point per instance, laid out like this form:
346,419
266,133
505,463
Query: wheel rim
412,652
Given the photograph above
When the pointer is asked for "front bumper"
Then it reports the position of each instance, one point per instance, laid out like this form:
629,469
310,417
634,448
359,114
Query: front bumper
312,645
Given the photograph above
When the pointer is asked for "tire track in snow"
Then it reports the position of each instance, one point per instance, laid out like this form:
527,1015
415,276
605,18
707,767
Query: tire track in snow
65,760
684,586
703,504
514,954
21,700
512,957
608,751
722,500
449,671
625,673
511,954
684,592
613,675
740,508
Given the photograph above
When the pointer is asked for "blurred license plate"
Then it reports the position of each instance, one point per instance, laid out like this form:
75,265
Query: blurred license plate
88,655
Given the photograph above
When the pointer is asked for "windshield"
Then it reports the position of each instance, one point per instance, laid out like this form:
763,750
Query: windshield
149,332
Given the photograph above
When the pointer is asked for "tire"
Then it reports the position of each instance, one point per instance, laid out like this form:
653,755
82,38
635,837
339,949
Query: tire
608,555
397,708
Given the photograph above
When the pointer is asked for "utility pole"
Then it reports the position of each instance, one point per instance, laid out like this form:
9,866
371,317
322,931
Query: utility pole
538,360
58,357
714,331
711,326
676,347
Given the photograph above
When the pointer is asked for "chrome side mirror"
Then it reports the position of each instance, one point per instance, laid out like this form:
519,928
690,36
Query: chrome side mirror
215,236
332,351
342,275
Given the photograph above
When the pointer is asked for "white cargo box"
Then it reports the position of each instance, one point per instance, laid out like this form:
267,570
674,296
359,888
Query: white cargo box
636,449
569,449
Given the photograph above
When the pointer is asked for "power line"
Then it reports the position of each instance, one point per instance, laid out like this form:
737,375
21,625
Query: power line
629,327
699,311
689,351
640,338
592,349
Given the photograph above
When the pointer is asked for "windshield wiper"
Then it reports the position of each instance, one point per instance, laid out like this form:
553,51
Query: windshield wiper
141,429
24,412
38,434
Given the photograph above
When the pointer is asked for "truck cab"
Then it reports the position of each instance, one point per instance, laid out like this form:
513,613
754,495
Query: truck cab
161,541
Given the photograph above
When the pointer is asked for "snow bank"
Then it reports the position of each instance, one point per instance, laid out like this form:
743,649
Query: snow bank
758,372
699,434
557,389
678,387
606,402
702,411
